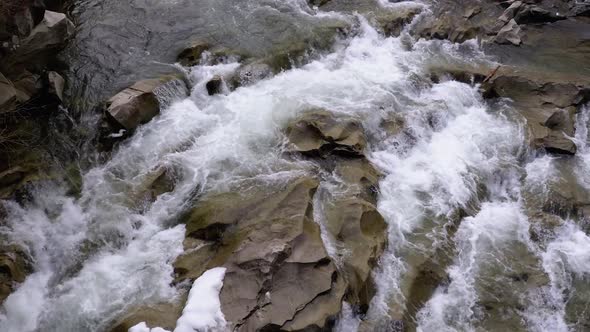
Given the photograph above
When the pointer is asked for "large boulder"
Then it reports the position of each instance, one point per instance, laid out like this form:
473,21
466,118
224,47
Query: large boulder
50,34
318,132
279,274
139,103
547,103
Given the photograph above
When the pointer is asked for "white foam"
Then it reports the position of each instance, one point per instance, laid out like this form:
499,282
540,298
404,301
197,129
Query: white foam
480,240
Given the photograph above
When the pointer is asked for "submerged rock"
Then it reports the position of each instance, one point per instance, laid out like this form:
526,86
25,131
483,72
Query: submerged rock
139,103
251,73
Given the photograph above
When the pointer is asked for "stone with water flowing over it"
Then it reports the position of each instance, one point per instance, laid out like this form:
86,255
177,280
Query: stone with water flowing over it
139,103
191,55
561,129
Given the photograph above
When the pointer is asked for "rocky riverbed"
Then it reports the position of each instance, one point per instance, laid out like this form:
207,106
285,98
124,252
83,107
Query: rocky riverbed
333,165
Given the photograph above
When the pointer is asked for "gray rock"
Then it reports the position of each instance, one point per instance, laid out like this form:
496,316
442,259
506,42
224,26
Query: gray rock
509,34
56,84
8,97
510,12
51,33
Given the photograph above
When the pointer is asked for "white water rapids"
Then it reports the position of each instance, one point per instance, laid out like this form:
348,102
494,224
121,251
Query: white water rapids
460,162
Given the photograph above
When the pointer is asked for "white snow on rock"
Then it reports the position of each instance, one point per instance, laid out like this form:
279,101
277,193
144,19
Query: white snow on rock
202,311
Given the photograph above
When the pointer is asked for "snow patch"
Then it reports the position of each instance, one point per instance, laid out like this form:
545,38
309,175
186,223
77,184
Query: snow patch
202,311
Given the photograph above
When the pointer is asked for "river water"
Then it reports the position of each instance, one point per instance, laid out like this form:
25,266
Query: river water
456,184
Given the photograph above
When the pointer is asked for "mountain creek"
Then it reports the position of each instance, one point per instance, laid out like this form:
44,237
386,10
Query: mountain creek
294,165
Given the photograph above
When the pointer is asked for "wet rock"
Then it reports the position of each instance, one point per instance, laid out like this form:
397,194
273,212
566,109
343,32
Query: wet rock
252,73
215,85
318,3
509,34
318,132
14,267
139,103
392,22
561,126
191,56
278,275
162,315
457,21
8,96
537,98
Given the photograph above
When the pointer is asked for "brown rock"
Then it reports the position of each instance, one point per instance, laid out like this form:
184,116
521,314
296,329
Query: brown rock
561,126
162,315
14,267
192,55
273,251
318,132
139,103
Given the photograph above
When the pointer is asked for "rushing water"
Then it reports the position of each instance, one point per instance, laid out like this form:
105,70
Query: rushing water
454,182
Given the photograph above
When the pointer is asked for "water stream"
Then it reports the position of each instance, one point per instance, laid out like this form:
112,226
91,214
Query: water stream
453,182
